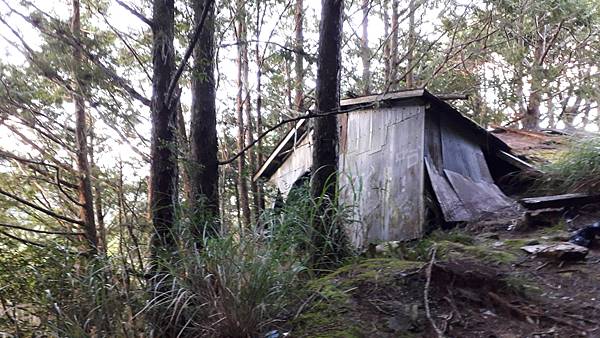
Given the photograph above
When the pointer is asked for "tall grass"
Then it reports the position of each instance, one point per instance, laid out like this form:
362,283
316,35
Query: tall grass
575,170
242,283
235,284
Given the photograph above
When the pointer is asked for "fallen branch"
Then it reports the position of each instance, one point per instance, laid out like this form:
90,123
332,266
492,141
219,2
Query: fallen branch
439,332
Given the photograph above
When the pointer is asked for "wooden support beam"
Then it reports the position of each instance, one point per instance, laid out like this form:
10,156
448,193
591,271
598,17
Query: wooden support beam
557,201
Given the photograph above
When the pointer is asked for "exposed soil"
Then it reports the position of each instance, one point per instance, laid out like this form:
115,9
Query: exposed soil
481,285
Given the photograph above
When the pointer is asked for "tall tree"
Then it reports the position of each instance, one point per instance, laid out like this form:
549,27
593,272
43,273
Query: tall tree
325,152
394,46
163,163
242,61
365,51
410,46
386,45
86,199
299,62
204,175
259,95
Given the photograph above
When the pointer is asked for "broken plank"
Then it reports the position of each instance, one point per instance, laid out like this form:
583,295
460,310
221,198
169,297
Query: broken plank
452,207
558,201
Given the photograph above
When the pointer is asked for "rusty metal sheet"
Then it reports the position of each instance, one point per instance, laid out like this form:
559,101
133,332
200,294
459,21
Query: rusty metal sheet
452,207
480,198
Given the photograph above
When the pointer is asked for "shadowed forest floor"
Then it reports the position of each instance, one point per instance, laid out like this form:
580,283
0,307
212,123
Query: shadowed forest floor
481,285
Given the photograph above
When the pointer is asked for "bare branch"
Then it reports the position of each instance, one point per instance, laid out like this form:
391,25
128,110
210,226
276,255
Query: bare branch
40,209
188,52
136,13
49,232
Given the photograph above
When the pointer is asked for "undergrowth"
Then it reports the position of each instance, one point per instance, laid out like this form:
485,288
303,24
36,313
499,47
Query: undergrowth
575,170
240,283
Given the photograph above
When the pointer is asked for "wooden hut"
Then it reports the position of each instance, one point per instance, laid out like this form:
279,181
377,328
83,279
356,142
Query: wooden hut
403,156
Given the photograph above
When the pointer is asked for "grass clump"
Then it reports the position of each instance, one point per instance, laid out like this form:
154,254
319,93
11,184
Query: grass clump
575,170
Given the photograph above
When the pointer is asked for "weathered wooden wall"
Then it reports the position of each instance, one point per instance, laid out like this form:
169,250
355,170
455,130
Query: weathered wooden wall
382,172
296,164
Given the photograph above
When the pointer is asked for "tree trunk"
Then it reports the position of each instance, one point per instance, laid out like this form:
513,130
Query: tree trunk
299,64
163,188
241,143
288,84
186,163
250,131
386,47
394,47
531,120
365,52
83,166
98,206
325,157
259,126
163,164
411,44
204,174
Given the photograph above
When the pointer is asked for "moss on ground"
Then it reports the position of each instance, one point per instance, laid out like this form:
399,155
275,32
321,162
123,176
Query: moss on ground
330,313
451,250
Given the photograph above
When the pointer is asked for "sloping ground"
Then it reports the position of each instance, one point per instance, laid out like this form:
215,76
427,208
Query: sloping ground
480,285
538,147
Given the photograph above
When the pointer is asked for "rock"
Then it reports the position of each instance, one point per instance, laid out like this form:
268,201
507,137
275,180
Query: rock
387,247
562,251
533,242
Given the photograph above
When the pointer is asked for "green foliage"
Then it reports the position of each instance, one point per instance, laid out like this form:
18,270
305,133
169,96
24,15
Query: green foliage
575,170
50,291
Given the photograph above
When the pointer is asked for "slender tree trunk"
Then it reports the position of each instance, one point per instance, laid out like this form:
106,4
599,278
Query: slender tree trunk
386,46
83,166
325,155
365,52
250,132
184,146
288,84
163,164
411,43
551,115
532,114
259,126
98,206
241,143
570,112
394,47
204,175
299,64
